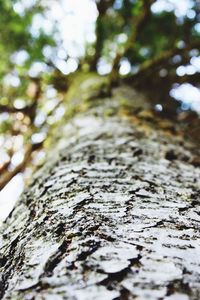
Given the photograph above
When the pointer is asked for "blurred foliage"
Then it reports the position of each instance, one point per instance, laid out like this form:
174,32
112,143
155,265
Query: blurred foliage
16,35
157,39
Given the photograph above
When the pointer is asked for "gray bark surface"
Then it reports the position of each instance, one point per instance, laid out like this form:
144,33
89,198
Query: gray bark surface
113,214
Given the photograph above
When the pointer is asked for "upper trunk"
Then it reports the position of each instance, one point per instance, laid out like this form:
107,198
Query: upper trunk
113,213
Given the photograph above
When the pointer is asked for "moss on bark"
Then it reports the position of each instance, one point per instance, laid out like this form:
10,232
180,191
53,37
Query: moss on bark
114,211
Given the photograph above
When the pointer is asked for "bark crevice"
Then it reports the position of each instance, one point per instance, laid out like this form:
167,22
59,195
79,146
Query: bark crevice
109,215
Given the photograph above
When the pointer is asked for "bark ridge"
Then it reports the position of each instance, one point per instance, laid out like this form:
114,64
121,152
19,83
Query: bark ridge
114,214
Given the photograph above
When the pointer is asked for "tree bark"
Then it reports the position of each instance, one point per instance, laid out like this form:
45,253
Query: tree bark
113,213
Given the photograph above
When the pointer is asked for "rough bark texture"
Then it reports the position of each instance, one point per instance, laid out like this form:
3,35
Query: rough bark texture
113,214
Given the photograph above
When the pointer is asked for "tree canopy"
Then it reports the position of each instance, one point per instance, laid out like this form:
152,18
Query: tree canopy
148,44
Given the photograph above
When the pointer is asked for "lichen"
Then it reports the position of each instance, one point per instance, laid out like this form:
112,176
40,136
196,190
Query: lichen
110,214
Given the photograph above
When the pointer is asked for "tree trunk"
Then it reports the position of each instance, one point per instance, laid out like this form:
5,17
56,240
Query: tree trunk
113,213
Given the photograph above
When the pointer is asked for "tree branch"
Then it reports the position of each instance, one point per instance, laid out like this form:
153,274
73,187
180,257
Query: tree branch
159,60
137,24
193,79
8,175
102,7
10,109
4,166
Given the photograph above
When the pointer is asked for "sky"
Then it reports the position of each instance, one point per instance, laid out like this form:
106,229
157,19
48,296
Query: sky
76,25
